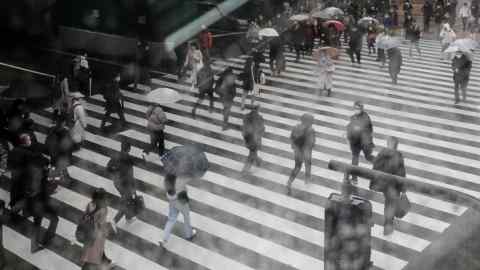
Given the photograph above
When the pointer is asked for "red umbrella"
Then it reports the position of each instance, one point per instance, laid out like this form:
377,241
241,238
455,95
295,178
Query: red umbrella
339,26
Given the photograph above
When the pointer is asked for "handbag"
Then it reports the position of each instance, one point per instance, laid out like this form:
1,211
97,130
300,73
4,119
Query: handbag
85,232
403,206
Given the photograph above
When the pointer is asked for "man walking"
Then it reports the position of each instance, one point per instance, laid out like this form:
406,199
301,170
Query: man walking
226,89
394,63
113,101
156,120
302,141
252,132
461,66
427,15
205,81
355,44
465,13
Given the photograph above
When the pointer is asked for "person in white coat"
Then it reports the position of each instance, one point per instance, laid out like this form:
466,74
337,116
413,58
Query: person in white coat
79,120
325,68
195,62
447,36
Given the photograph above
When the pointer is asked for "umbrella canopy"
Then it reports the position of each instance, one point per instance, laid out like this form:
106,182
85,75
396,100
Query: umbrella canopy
339,26
268,32
366,20
187,161
388,42
465,44
164,96
300,17
453,48
328,13
26,89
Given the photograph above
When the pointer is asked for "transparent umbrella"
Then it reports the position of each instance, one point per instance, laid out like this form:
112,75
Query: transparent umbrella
268,32
388,42
164,96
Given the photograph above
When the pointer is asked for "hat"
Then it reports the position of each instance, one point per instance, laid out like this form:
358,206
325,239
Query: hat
76,95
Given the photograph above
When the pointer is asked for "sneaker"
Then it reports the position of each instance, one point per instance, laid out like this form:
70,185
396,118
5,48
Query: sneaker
194,233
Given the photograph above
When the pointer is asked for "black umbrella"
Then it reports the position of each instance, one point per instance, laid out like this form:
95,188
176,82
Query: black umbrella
26,89
185,161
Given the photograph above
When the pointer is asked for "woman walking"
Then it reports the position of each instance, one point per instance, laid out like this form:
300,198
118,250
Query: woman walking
325,69
195,62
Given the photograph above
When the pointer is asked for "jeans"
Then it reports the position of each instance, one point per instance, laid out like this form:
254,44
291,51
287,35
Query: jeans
301,156
174,208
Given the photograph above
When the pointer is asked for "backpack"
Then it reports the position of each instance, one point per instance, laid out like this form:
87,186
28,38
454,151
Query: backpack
85,232
298,136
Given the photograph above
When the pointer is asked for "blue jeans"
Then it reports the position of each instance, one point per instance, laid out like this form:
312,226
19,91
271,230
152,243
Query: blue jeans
176,207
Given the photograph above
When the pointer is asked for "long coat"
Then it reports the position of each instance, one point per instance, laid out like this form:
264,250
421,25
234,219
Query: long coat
80,123
360,130
396,61
253,130
93,253
388,161
461,67
225,86
205,79
325,68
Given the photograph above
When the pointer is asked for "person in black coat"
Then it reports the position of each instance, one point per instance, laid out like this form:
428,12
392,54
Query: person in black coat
360,135
205,81
427,15
355,44
113,101
225,87
276,56
461,66
298,36
394,63
252,132
59,146
390,161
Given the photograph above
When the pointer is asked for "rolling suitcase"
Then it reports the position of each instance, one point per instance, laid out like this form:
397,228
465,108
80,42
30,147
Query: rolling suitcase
348,225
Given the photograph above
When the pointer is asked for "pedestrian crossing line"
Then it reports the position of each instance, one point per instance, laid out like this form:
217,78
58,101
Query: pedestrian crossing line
66,229
266,142
232,120
320,212
428,167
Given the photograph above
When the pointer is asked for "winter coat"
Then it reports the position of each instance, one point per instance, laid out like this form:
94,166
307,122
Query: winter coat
205,80
325,69
388,161
225,86
299,35
124,179
302,138
156,118
395,60
355,42
79,122
360,129
93,253
253,130
461,67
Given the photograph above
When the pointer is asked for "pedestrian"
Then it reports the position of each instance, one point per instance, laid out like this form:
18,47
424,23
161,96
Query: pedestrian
225,87
93,254
389,161
194,61
360,135
59,146
380,51
414,37
355,45
121,168
447,36
407,24
388,23
252,77
427,14
178,202
142,74
63,86
451,10
461,66
206,43
302,141
394,63
205,81
309,37
156,120
371,36
475,10
407,8
83,78
252,131
299,40
325,68
465,13
439,15
114,102
79,119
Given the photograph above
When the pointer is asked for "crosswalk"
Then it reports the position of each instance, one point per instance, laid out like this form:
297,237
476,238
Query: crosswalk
248,221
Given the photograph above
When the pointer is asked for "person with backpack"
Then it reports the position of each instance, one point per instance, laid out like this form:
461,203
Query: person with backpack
225,87
178,202
252,132
113,101
121,168
156,120
205,83
390,161
360,135
96,229
302,141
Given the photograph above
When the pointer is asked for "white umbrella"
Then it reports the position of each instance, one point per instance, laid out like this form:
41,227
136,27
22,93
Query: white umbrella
300,17
465,44
268,32
164,96
454,48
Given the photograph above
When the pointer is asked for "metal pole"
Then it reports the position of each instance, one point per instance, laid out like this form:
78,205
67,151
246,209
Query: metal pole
419,187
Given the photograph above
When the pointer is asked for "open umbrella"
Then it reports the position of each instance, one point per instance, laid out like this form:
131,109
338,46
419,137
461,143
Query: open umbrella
186,161
328,13
454,48
339,26
164,96
388,42
465,44
299,17
366,20
268,32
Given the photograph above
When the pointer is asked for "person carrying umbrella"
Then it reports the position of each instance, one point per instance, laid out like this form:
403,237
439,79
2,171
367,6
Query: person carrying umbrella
394,63
205,81
226,89
302,141
461,66
252,132
325,69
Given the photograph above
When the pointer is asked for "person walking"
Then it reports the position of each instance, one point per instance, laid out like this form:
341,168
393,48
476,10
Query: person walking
371,36
93,254
414,37
252,133
390,161
276,56
114,102
121,168
475,10
156,120
59,146
427,14
206,43
465,13
299,40
380,51
248,77
194,61
407,24
355,45
226,89
83,78
395,61
302,141
325,68
79,120
461,66
205,81
451,10
360,135
447,36
439,15
178,202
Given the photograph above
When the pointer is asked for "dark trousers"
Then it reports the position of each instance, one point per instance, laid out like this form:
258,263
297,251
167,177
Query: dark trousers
157,141
299,49
426,23
353,53
391,198
464,23
301,156
371,46
108,117
460,85
227,108
394,76
357,148
126,194
42,210
381,56
201,97
251,159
